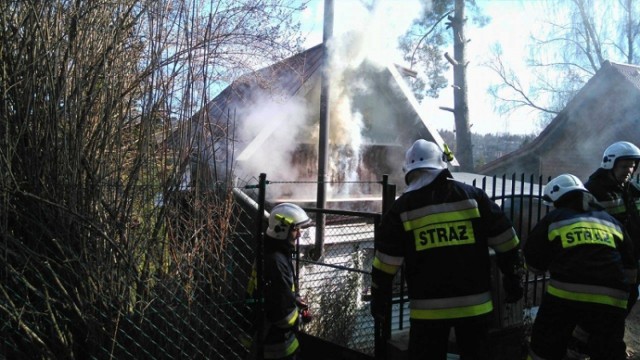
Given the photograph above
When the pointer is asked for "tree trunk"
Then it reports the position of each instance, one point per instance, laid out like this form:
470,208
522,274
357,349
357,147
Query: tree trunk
464,149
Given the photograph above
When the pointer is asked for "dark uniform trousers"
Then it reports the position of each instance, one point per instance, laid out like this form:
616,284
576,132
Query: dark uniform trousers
557,318
472,336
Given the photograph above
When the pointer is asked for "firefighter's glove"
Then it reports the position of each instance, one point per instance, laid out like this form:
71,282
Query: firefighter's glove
512,288
305,313
301,303
305,316
381,289
380,304
378,309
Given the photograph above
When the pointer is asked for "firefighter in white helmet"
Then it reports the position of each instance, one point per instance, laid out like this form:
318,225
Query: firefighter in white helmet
441,229
283,308
589,258
612,186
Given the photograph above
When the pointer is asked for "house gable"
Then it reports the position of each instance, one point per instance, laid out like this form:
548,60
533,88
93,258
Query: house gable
604,111
390,115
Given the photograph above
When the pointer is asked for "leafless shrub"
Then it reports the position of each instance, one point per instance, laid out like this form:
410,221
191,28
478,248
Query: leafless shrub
95,248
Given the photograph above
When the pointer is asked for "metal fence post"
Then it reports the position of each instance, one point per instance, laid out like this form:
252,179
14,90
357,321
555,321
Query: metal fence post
259,267
382,331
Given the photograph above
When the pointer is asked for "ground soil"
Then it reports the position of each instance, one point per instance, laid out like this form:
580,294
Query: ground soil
632,333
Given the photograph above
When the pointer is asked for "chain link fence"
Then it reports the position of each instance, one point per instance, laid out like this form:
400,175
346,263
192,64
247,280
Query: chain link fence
172,287
179,295
182,292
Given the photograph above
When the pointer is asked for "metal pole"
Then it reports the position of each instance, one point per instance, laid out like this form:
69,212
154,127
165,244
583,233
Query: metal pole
388,194
382,331
323,141
389,197
260,266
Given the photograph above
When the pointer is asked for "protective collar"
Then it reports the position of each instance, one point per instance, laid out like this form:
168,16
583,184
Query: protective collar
424,177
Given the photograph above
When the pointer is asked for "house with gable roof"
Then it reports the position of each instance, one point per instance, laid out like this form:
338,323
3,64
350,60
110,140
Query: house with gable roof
605,110
251,120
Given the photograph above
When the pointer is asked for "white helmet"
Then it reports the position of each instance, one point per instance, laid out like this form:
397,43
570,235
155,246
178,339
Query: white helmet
619,150
561,185
283,218
424,154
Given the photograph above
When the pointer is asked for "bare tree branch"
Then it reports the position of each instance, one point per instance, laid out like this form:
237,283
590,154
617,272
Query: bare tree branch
571,50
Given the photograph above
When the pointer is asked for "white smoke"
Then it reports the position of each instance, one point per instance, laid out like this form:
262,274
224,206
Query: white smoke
271,130
369,39
379,25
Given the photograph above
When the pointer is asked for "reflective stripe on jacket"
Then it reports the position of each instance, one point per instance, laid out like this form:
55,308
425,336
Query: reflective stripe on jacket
451,308
281,349
588,293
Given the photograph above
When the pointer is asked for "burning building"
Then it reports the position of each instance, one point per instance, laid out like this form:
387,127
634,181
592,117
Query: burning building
268,122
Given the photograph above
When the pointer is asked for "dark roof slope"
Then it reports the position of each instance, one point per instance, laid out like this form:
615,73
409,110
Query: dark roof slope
284,78
630,72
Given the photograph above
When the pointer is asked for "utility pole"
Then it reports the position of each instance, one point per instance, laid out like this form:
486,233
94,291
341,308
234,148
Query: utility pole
464,148
323,138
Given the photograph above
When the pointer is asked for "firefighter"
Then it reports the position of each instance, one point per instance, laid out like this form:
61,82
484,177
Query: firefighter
612,186
441,229
590,262
283,308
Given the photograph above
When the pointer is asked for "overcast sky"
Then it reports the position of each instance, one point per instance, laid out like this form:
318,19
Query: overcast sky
511,24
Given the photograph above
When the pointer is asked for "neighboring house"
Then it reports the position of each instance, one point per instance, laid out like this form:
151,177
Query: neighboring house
250,120
605,110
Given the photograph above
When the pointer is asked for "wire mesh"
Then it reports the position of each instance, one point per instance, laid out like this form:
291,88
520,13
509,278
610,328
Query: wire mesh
337,285
183,296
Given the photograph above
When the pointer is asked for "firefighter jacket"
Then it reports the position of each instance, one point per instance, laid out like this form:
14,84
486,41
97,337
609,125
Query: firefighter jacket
621,201
587,253
281,311
442,233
